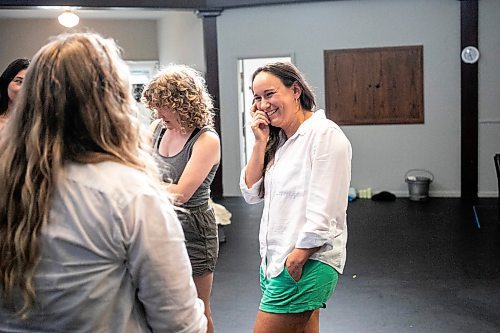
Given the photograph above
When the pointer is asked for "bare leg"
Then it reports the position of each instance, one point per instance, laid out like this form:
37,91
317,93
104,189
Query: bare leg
312,325
281,322
204,288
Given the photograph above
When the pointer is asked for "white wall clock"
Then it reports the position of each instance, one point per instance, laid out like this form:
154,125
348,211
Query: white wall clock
470,54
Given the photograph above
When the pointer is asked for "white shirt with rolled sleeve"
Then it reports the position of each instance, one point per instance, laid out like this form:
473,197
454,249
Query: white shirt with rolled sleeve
112,259
305,201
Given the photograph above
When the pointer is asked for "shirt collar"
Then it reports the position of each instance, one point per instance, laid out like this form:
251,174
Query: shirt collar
309,123
305,126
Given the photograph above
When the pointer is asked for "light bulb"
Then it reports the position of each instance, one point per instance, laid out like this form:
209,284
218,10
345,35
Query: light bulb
68,19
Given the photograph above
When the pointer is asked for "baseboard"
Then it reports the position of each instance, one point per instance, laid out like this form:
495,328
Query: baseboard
448,194
488,194
437,194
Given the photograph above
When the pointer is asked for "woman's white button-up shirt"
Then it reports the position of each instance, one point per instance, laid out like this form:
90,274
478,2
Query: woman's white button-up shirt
305,201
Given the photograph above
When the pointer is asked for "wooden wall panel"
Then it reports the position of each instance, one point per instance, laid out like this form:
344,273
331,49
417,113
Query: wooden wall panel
374,85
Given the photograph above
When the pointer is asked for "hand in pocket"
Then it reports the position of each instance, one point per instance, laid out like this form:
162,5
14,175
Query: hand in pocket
295,271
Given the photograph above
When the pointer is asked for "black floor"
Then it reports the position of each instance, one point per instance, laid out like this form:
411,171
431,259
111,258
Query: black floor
411,267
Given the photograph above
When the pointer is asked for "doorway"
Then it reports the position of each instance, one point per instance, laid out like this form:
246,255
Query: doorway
246,68
140,74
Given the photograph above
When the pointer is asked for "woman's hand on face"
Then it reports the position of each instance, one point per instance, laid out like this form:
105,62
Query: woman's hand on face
259,124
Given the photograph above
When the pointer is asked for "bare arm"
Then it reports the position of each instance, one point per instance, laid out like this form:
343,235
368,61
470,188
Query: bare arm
206,153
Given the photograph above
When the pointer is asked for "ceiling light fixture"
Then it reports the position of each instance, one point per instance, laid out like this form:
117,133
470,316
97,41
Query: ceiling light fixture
68,19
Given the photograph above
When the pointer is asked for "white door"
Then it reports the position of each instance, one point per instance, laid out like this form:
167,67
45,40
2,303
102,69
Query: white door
140,74
246,69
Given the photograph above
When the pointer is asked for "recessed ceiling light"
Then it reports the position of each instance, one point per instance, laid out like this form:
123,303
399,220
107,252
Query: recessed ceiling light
68,19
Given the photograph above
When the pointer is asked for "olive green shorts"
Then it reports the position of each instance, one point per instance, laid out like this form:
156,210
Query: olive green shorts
202,242
282,294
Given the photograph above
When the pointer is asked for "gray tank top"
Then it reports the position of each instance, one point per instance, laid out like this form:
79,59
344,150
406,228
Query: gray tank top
171,167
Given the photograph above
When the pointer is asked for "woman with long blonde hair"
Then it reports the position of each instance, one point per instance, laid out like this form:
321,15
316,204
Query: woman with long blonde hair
89,240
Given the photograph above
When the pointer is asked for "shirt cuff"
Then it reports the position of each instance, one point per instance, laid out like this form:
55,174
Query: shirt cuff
308,240
251,195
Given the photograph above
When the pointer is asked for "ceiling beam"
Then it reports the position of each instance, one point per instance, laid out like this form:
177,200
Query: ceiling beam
166,4
225,4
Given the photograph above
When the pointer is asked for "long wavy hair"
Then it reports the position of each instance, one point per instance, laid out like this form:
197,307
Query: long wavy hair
183,90
6,78
75,105
288,74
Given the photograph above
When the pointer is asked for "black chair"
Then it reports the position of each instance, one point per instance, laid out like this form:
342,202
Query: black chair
496,158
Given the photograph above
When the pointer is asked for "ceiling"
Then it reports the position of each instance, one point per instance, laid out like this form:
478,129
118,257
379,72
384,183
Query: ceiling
124,9
86,13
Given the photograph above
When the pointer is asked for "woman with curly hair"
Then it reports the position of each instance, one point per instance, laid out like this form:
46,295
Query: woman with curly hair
188,150
89,241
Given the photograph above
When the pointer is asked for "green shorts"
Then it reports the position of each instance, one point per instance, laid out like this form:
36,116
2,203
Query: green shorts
202,242
282,294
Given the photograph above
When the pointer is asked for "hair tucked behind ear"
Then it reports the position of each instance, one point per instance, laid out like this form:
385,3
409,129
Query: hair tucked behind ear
288,75
75,105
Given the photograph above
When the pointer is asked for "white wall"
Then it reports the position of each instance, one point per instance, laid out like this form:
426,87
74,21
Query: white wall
23,37
180,39
381,153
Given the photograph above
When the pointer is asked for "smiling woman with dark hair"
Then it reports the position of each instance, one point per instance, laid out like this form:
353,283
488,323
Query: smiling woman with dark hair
300,167
11,81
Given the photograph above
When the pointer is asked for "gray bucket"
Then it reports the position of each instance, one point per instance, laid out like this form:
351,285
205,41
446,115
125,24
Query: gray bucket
418,185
